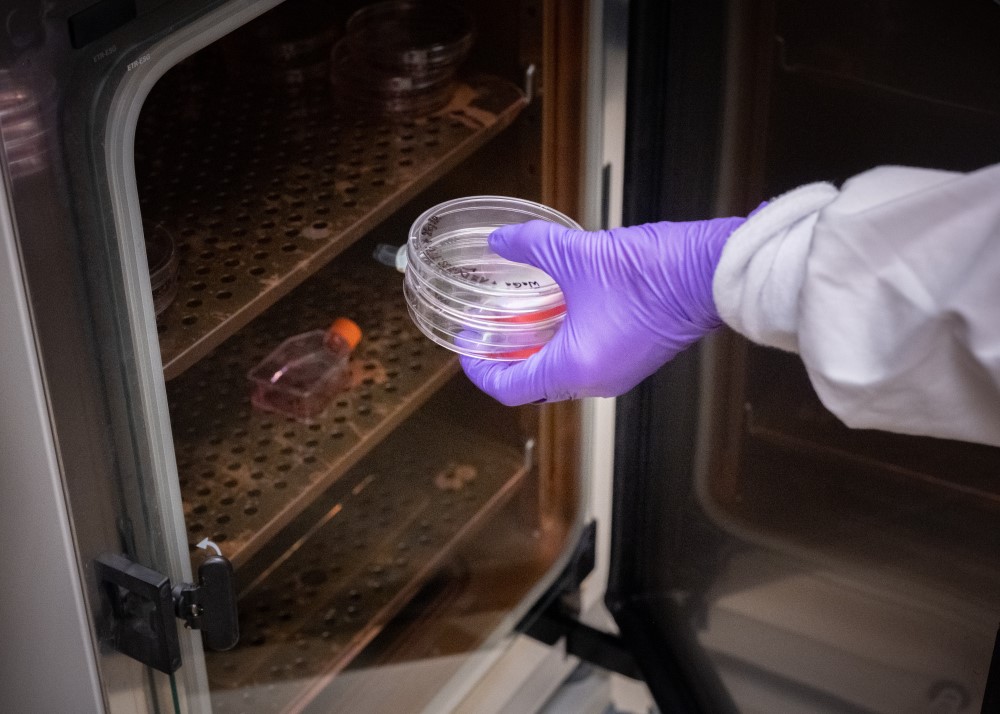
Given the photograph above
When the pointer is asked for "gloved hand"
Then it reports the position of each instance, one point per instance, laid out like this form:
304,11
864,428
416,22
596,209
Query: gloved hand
635,297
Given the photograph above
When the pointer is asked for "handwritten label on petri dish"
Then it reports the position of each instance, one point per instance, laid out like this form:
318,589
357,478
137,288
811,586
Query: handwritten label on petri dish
430,227
467,274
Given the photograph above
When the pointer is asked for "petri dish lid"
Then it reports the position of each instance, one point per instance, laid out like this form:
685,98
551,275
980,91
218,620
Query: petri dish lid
294,33
467,298
297,50
348,66
160,251
448,244
414,35
474,305
161,258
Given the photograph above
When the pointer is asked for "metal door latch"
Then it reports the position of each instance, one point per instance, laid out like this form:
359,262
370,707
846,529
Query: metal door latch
143,607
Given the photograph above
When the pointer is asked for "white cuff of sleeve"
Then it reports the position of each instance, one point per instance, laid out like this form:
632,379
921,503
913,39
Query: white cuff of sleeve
759,276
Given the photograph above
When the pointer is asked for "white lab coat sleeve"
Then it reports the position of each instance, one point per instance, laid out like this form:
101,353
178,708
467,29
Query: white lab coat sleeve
889,289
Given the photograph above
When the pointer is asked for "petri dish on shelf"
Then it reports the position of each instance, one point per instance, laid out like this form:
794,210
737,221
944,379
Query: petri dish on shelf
161,258
288,47
467,298
388,91
411,35
400,57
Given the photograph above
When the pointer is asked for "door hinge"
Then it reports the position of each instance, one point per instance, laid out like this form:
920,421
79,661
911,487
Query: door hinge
590,644
143,608
556,615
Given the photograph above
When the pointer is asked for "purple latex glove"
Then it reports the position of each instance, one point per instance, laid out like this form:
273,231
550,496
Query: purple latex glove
635,297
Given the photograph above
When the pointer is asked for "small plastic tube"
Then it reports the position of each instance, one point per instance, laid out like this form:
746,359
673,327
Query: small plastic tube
391,255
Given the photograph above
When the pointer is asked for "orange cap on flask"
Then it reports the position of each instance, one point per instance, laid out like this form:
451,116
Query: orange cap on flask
347,330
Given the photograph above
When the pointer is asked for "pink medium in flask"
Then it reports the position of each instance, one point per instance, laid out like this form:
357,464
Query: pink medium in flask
305,372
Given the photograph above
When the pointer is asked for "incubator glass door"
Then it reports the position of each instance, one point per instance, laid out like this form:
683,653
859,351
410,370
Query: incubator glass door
222,176
768,558
398,521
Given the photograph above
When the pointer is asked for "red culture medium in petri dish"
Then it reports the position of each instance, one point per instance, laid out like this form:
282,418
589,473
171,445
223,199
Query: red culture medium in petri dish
464,296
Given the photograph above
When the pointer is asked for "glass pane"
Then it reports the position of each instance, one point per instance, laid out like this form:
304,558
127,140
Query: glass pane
858,572
825,569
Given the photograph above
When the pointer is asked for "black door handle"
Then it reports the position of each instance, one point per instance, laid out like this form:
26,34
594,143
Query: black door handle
143,608
210,606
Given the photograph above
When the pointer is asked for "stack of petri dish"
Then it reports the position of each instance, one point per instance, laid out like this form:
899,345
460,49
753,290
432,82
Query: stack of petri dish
162,260
26,111
464,296
400,57
290,45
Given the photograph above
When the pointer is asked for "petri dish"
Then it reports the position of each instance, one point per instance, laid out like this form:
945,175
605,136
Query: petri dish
399,58
287,47
415,36
390,91
347,65
292,35
161,258
26,106
486,339
467,298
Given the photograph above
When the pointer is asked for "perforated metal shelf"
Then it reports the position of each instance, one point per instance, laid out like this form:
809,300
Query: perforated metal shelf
262,188
409,505
244,473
